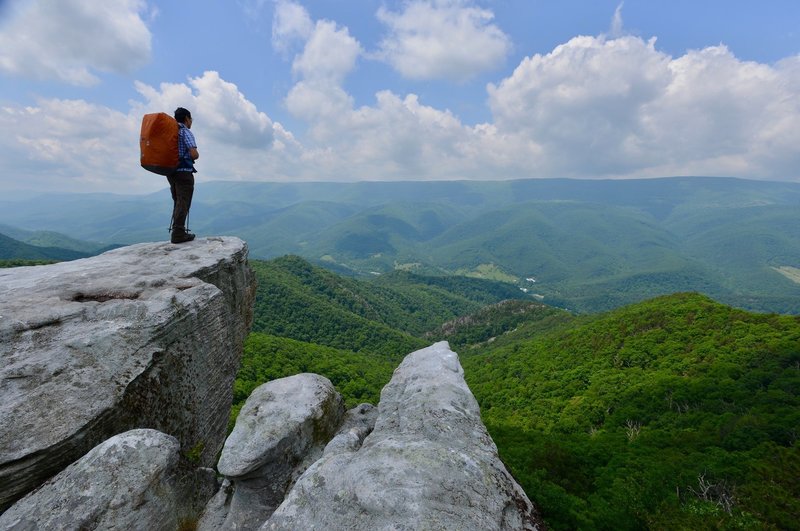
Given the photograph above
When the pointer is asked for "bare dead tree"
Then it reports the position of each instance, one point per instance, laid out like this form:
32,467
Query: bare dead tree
632,428
720,493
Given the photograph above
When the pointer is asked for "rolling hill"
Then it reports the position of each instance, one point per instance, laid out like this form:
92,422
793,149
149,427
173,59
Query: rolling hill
673,413
11,249
590,245
385,316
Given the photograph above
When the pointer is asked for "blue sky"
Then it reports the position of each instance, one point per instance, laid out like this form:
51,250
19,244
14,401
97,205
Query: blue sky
346,90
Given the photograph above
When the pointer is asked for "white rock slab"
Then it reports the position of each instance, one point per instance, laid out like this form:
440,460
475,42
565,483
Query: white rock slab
145,336
127,482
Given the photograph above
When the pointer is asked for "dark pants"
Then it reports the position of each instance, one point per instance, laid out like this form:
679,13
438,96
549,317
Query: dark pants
181,185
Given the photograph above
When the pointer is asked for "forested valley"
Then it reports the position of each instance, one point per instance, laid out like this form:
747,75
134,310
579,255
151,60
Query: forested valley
673,413
586,245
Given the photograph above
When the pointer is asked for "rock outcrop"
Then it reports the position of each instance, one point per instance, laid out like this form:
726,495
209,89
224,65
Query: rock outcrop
429,463
131,481
283,425
145,336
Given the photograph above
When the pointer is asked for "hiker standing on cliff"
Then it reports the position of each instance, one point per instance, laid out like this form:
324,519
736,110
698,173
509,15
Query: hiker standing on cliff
181,181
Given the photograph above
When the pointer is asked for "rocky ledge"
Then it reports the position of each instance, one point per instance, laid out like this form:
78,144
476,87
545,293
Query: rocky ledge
145,336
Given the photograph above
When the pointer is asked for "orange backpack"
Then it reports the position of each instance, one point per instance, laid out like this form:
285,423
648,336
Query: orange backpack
158,143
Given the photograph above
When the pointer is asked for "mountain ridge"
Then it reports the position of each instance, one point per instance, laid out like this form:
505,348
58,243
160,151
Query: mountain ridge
591,245
11,249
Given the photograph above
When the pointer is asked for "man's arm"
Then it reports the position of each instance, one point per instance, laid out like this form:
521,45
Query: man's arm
191,143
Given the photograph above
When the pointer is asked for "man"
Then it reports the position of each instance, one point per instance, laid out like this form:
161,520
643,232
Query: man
181,182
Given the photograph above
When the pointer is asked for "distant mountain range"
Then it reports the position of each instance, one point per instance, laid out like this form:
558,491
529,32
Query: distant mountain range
582,245
18,244
11,249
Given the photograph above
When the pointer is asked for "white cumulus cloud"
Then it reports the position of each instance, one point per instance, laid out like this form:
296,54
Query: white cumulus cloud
70,40
397,138
79,146
442,39
592,107
619,107
290,24
216,105
582,101
69,145
330,54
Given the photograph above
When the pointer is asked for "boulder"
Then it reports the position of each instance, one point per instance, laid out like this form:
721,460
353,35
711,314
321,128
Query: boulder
283,426
145,336
429,463
131,481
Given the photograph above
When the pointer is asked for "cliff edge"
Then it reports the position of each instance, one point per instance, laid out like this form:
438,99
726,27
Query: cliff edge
145,336
116,378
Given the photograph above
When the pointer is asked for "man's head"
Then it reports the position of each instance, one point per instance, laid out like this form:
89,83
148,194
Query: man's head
182,115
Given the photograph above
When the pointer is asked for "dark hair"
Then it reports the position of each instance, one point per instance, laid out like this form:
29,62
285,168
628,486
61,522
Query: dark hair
182,114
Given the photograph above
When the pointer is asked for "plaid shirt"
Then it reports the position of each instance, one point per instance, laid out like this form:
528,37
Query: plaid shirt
185,141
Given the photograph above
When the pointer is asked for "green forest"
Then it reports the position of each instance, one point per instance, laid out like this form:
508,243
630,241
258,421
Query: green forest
673,413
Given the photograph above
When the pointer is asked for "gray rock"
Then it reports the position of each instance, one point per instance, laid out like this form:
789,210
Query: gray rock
145,336
358,423
428,464
131,481
282,428
217,509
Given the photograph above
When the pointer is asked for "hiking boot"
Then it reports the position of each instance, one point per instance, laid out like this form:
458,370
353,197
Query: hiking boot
181,237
